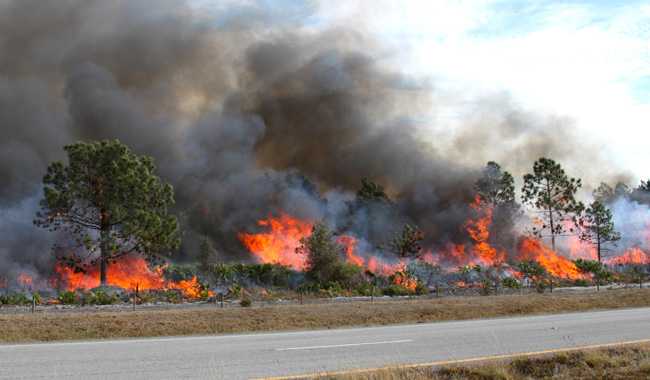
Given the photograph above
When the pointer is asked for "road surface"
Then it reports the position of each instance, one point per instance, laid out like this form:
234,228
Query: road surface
292,353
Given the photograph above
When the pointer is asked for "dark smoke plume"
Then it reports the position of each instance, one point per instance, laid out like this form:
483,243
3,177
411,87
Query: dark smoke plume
245,114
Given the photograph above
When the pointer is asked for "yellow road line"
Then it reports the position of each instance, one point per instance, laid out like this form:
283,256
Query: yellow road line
459,361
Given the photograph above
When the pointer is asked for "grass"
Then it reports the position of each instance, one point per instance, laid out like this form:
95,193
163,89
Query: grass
84,324
621,362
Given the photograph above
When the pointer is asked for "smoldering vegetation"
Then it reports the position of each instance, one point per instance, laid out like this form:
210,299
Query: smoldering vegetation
248,113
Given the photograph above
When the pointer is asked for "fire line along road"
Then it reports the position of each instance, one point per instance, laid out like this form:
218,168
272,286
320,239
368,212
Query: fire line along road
296,353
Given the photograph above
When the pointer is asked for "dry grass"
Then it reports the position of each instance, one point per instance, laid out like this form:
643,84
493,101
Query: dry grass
623,362
191,321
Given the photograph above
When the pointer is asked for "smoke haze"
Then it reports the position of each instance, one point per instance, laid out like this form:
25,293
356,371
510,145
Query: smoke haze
247,114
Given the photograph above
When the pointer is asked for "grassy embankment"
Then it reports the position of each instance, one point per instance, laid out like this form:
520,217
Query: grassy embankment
616,362
50,326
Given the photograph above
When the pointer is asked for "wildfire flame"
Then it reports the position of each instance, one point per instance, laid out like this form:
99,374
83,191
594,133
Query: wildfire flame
578,249
282,236
402,279
349,244
633,256
25,280
559,266
129,272
278,245
479,231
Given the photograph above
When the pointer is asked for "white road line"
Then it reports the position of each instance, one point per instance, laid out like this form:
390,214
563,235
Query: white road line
344,345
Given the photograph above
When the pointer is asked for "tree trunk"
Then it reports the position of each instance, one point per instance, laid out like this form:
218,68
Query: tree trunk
550,216
103,259
598,243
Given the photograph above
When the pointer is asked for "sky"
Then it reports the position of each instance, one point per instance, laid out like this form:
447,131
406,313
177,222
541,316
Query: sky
588,61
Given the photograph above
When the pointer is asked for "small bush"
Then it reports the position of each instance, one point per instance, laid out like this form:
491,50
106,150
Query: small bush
308,287
100,297
16,299
68,298
235,290
204,294
421,289
397,290
245,302
365,289
581,282
486,287
173,296
511,283
177,272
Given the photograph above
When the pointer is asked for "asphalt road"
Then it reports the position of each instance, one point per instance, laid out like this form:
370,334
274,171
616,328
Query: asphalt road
291,353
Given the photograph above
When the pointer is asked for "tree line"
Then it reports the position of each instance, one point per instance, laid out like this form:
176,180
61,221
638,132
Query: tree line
110,201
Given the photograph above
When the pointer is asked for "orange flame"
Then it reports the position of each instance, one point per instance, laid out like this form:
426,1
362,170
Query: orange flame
578,249
559,266
349,244
278,245
190,288
404,280
127,273
25,280
479,231
633,256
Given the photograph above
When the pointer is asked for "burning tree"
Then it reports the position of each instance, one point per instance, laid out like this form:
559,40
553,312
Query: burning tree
111,203
407,242
496,192
552,192
597,228
323,255
531,270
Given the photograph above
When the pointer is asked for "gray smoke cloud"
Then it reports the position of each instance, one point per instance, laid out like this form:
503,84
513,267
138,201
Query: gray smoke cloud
246,115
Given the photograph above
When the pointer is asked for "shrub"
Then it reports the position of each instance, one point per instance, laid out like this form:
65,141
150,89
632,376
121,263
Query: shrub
421,289
204,294
511,283
100,297
173,296
176,272
581,282
145,297
68,298
246,302
348,275
17,299
486,287
235,290
329,289
365,289
397,290
309,287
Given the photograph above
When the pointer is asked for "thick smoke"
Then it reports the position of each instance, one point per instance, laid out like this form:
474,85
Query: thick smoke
246,114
